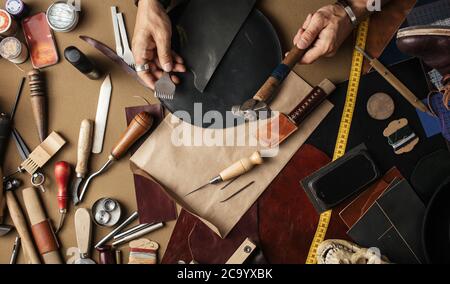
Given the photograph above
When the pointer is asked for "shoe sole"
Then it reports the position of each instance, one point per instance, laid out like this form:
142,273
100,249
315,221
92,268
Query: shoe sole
423,31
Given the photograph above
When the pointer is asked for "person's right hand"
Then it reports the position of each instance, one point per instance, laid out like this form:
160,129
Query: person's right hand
152,43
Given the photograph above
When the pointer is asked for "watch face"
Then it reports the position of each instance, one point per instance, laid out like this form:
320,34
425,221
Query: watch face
61,16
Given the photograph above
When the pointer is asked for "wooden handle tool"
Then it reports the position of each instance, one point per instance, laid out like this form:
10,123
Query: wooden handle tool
280,73
38,102
41,228
140,125
22,228
62,175
394,81
84,147
83,229
239,168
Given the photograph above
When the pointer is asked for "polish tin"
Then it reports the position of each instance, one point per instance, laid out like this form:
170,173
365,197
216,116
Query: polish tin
8,26
13,50
62,17
17,8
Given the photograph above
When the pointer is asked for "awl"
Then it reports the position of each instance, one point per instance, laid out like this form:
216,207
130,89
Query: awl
83,153
140,124
279,128
237,169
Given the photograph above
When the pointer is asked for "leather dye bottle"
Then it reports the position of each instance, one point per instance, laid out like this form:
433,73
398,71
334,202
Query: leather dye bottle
80,61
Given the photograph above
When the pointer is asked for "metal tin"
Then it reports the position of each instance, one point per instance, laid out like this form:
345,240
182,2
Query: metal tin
14,50
106,212
62,17
17,8
8,26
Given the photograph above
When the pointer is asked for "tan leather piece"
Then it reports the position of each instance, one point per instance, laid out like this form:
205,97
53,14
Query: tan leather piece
44,237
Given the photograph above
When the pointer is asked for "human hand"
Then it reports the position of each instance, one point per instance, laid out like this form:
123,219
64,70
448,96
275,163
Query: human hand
323,32
152,43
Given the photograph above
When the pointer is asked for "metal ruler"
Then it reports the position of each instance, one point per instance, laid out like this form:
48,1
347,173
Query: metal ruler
344,131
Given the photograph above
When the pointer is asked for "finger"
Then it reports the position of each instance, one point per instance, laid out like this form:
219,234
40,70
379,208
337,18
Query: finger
312,55
164,51
148,79
177,58
307,21
178,67
175,79
311,33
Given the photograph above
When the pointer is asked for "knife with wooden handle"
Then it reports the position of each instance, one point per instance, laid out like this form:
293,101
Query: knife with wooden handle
83,154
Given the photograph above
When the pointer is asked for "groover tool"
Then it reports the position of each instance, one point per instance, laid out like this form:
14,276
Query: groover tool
38,102
394,81
41,228
127,53
137,128
237,169
63,170
83,230
102,115
249,110
281,127
83,152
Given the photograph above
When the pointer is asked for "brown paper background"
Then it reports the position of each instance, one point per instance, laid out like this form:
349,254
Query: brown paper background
74,98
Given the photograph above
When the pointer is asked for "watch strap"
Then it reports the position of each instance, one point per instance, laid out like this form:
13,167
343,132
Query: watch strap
348,9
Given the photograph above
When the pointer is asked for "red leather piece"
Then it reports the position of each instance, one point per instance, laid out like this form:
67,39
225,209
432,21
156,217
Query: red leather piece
287,219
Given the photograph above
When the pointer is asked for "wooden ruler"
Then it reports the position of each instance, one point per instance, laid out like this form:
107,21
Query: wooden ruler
344,130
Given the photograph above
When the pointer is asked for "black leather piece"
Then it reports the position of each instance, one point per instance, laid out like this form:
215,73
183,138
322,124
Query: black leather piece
369,131
249,61
394,229
425,181
327,188
436,227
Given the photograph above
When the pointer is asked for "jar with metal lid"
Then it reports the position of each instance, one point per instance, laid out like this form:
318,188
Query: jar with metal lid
8,26
62,17
17,8
14,50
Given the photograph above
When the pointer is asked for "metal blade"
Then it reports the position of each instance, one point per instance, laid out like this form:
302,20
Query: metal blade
75,187
24,151
198,189
237,192
102,115
108,52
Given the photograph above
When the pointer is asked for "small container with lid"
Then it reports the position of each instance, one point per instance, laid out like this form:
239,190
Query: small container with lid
8,26
17,8
80,61
62,16
14,50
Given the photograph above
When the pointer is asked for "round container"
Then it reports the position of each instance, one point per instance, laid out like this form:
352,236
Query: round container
8,26
14,50
17,8
106,212
62,17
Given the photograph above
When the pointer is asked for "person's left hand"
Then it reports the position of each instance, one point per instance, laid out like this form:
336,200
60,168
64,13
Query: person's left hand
323,32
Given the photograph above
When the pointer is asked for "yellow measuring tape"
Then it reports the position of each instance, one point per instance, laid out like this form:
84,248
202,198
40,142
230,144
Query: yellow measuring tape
344,131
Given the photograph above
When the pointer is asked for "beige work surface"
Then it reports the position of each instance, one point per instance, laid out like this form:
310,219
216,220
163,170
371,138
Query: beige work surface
73,97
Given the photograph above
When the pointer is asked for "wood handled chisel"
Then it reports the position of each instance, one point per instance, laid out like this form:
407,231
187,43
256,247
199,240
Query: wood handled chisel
102,115
83,153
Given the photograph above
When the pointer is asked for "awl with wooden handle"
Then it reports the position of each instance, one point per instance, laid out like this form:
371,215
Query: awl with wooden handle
279,128
249,110
140,124
83,154
239,168
394,81
63,171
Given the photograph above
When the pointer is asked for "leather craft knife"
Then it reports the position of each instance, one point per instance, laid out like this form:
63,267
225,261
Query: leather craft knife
108,52
102,115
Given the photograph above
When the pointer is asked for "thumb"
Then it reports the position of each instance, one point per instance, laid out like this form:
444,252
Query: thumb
312,32
164,49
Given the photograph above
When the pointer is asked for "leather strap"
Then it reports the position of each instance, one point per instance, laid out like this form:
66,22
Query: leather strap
44,237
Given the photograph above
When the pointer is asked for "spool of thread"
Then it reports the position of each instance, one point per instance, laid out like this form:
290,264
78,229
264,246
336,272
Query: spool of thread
14,50
38,102
8,26
17,8
62,16
143,251
81,62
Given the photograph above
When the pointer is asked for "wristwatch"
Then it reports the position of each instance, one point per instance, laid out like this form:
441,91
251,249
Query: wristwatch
348,9
164,3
